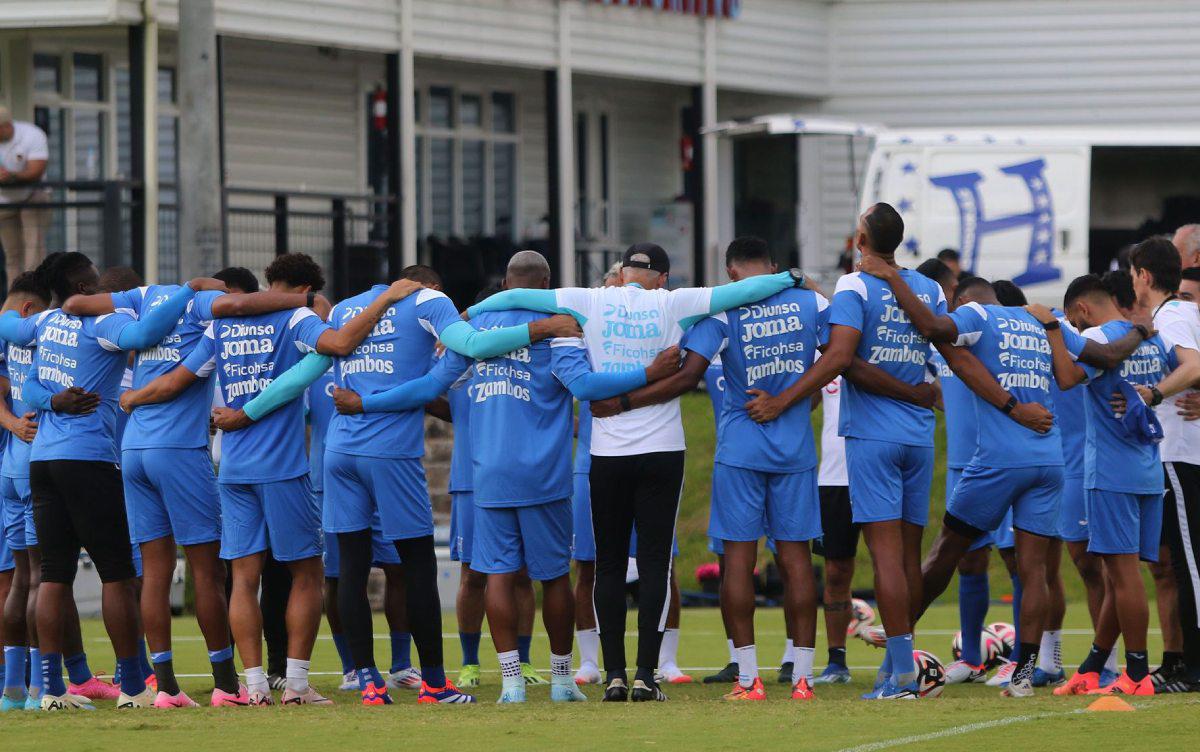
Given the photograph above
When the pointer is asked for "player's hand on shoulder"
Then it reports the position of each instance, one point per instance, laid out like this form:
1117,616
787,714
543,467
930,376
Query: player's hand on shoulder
563,325
227,419
347,401
401,289
666,363
75,401
202,284
764,407
606,408
1033,416
876,267
1143,317
322,307
1041,313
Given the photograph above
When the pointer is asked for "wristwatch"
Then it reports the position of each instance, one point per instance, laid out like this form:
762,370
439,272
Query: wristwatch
1010,405
626,406
1052,325
1156,397
797,277
1142,330
309,299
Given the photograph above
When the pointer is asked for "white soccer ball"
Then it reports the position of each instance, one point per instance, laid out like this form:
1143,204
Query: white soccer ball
991,648
931,675
1008,636
861,617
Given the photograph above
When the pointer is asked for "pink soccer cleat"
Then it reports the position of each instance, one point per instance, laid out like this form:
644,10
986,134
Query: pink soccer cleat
223,699
181,700
95,689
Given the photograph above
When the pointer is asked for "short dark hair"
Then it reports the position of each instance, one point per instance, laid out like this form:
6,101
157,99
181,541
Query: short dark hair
421,273
120,279
30,283
1191,274
970,282
486,293
238,277
1087,285
62,271
1120,284
885,228
948,254
747,248
935,270
296,270
1160,258
1008,293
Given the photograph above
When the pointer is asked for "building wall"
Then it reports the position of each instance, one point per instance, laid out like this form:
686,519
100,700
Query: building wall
777,46
515,32
23,14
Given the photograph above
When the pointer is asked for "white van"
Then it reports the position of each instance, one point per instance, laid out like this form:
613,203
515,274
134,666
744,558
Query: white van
1040,206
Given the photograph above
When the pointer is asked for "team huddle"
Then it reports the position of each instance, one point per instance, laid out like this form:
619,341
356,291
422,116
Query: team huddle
1052,439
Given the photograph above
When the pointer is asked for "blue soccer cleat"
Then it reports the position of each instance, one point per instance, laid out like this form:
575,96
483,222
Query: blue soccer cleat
512,695
1046,679
833,674
7,703
890,691
447,695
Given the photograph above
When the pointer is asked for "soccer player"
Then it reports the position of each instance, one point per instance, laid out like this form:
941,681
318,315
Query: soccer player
1123,478
373,466
74,476
1156,276
266,497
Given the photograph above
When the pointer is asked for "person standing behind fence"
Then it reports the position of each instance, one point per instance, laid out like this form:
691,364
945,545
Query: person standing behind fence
24,154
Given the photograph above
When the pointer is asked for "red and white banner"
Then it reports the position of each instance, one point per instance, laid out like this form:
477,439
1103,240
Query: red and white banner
719,8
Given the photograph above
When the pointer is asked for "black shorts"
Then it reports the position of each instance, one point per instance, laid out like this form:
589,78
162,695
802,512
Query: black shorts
839,539
80,503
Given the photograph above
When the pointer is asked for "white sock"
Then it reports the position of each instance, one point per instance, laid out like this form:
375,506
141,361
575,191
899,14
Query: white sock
747,661
589,646
789,653
560,665
1111,663
732,651
256,679
668,652
297,675
510,668
1050,654
804,662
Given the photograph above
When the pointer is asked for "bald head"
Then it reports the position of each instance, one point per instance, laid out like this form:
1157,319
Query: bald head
527,269
1187,242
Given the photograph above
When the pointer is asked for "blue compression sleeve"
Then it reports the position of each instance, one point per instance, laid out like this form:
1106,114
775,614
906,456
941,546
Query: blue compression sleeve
465,339
408,396
545,301
35,395
157,323
749,290
598,386
290,385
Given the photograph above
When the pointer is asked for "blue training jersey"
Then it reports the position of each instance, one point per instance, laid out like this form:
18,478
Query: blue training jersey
523,394
18,362
320,413
1069,414
82,352
958,401
462,469
714,384
248,353
890,341
767,345
1114,461
182,422
1011,344
583,440
399,349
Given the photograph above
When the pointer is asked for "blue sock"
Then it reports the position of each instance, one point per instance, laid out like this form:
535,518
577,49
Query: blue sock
369,677
470,649
972,610
523,643
52,668
904,668
133,680
401,651
37,681
143,657
1016,586
434,676
77,668
14,667
343,650
224,654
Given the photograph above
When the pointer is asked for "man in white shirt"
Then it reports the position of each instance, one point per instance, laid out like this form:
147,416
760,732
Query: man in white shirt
24,154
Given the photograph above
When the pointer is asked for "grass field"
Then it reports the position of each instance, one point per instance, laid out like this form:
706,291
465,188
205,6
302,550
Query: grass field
694,719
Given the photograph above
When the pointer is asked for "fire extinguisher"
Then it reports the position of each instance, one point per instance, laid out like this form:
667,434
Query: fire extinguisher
379,109
687,152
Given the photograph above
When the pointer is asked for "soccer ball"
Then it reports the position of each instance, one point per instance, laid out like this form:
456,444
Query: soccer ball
991,648
1008,636
931,675
861,617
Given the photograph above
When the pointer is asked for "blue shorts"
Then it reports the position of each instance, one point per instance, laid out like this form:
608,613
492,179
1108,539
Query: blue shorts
282,516
6,556
462,525
136,554
1005,537
171,492
748,504
889,481
536,537
19,531
583,541
357,488
1072,512
383,553
984,495
953,475
1124,523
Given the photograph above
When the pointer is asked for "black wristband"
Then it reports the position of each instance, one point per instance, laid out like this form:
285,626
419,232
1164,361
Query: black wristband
309,299
1009,406
1156,397
1052,325
797,277
1142,330
626,406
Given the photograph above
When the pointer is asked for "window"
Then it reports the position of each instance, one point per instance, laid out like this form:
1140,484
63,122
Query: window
87,80
466,163
595,218
47,73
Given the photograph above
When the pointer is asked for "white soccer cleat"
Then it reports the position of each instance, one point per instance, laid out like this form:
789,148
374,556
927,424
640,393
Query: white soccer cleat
1002,676
349,682
405,678
66,702
961,672
309,696
588,673
143,699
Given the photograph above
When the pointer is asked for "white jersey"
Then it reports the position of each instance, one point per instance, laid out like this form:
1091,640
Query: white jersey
28,144
833,447
1178,323
625,328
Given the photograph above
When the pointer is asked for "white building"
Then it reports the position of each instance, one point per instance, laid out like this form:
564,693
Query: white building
571,122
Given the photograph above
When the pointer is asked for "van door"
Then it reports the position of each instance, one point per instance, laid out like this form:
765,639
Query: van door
1018,213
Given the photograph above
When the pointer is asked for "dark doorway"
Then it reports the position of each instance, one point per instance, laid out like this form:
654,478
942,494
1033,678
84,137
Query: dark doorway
765,194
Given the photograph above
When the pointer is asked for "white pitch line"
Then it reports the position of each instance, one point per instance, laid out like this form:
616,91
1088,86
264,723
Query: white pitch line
958,731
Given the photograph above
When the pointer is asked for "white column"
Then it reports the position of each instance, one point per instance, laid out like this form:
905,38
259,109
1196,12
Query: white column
150,139
566,148
408,139
712,221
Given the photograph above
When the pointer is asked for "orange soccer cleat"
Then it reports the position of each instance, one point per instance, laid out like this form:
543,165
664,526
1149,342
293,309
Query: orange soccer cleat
1079,684
755,691
1124,685
801,690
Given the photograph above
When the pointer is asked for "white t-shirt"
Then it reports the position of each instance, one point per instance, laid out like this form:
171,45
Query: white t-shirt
28,144
1178,323
626,328
833,446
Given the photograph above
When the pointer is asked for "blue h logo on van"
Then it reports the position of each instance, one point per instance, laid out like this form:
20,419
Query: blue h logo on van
973,227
